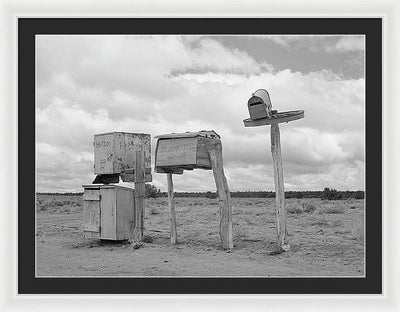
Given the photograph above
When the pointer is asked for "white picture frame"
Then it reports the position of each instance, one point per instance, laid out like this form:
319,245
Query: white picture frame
388,10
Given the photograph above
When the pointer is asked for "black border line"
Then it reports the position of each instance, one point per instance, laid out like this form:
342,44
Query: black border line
29,284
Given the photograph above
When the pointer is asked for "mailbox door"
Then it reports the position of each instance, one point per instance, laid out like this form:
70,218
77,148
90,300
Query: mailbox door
125,212
176,152
258,111
203,158
108,213
104,154
91,213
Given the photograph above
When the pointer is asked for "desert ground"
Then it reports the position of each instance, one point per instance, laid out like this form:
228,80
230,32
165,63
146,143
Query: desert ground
326,239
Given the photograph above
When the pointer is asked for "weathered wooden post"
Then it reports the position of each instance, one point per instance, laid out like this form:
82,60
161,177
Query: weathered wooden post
171,206
261,114
225,206
195,150
139,197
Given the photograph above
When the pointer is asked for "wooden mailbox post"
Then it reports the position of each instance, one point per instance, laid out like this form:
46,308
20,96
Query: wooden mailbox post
261,114
111,211
195,150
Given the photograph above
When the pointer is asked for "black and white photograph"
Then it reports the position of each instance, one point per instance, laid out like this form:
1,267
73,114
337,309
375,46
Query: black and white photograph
200,155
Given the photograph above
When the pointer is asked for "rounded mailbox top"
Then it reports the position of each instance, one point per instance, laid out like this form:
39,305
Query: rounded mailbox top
259,105
264,95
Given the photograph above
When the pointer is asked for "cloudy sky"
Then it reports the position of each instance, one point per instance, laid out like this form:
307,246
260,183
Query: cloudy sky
162,84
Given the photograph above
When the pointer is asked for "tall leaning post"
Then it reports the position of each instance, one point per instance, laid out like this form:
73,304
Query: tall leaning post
139,181
261,114
282,242
225,205
171,206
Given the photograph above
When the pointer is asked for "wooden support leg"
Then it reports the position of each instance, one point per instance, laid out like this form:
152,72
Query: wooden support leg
225,206
282,243
139,197
171,206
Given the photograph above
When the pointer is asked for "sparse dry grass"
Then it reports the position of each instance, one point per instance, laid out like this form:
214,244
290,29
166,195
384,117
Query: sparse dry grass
319,222
337,223
59,203
333,236
358,236
331,209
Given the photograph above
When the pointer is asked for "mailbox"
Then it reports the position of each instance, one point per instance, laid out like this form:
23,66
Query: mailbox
108,211
259,105
115,154
187,150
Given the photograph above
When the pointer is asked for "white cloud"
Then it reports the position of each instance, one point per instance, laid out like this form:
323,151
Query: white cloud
319,43
347,44
89,85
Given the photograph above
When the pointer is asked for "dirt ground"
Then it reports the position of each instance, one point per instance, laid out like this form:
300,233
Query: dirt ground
327,241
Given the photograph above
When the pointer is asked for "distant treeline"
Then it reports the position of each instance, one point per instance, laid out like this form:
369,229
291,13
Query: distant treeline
60,193
330,194
327,193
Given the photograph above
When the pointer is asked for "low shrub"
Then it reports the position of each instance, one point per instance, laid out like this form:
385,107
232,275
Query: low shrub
294,209
308,207
147,239
153,210
331,210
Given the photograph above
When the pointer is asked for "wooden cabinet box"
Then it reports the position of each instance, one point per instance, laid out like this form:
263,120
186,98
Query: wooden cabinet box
108,211
115,152
184,150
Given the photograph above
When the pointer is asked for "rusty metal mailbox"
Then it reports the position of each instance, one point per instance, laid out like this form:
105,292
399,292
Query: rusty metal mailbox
259,105
114,156
184,151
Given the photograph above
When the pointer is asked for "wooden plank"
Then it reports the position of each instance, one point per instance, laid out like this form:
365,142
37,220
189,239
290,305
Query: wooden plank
173,170
171,206
203,159
281,117
137,234
87,196
130,177
125,198
108,213
91,186
90,234
176,152
104,154
137,142
282,241
132,170
203,133
91,210
225,204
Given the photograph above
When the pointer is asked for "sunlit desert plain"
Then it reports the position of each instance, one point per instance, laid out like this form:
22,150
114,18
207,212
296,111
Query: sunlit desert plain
326,239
